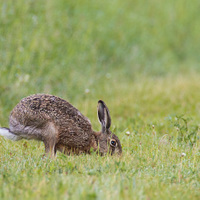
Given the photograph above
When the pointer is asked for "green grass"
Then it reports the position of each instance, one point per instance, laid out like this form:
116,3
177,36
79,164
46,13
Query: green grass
142,59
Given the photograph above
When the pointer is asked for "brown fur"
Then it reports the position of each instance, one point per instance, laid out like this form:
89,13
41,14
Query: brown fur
60,126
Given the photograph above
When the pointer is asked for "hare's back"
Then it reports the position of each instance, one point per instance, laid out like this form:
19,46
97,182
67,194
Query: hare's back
43,108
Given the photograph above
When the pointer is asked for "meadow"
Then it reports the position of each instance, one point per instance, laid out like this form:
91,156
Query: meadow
142,59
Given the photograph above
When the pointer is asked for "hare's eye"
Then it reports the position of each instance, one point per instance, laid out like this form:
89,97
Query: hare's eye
113,143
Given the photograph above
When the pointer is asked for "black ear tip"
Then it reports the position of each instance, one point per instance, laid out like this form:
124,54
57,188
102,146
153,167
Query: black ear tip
100,101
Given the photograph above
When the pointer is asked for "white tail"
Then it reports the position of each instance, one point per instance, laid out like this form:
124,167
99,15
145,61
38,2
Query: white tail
8,135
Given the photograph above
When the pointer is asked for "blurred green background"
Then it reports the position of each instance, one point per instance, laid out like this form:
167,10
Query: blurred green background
67,47
142,58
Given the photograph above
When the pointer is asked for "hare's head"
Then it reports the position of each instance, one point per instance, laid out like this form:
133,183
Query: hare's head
107,141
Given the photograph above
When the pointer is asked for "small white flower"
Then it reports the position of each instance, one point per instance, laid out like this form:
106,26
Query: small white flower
87,91
183,154
153,126
127,133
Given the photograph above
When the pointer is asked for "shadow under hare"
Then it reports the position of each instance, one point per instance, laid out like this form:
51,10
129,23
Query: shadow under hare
60,126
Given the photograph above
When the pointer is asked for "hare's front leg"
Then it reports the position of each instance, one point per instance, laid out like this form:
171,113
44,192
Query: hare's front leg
50,140
50,150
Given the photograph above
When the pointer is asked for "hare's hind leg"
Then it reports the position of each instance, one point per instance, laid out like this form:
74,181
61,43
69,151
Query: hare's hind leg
50,140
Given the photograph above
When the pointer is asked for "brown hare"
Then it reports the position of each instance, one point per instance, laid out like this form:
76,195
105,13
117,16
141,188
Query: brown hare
60,126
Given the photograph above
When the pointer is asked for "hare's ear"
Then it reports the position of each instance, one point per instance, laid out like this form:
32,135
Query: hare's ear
104,116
